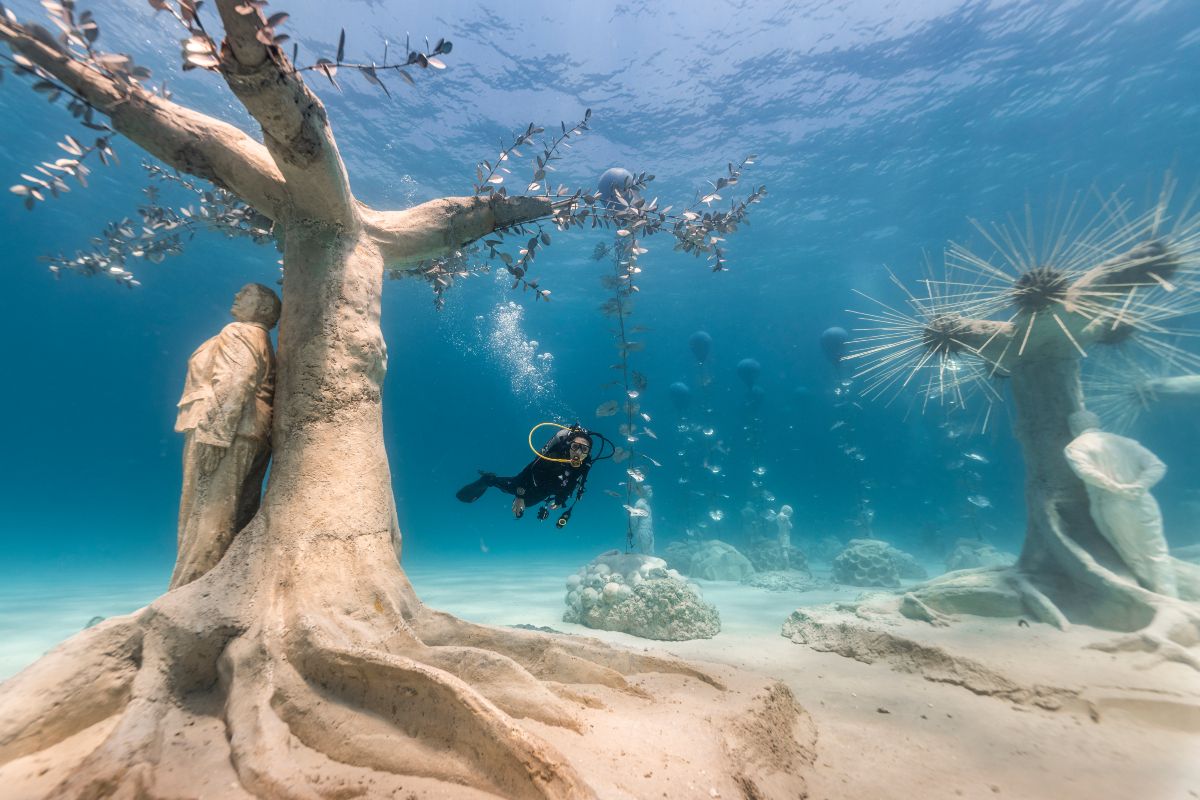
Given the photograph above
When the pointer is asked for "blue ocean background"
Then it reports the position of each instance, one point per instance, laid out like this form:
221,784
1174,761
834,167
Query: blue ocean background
881,128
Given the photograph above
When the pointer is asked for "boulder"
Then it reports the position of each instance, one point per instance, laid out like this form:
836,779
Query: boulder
715,560
907,565
678,554
765,554
972,554
711,559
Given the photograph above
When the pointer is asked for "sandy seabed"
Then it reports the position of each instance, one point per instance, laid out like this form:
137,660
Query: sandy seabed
887,729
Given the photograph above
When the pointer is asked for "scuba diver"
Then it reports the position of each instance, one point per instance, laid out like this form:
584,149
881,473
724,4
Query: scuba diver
560,469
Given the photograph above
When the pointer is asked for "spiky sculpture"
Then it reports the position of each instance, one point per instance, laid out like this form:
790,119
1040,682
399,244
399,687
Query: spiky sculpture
1122,389
1107,280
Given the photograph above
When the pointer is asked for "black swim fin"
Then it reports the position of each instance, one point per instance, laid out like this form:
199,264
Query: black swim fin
474,490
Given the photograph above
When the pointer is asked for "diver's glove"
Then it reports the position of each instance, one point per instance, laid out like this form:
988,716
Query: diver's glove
518,508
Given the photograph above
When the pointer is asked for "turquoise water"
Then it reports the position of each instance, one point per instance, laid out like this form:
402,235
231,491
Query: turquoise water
880,128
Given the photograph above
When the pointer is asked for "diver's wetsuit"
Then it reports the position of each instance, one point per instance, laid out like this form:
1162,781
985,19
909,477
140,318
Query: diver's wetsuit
539,480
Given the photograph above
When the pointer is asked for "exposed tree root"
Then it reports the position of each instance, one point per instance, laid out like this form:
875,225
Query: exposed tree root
315,704
1172,636
1172,632
913,608
1083,589
259,741
1036,602
427,706
79,683
123,762
547,656
504,682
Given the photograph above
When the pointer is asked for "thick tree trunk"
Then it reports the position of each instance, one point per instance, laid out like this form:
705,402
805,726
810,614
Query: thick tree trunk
330,475
1046,391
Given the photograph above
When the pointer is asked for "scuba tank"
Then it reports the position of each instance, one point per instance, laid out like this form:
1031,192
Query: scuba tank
559,446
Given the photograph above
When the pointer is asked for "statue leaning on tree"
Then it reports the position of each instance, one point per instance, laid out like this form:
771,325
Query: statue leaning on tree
225,417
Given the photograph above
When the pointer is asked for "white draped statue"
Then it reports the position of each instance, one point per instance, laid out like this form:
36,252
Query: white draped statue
1119,473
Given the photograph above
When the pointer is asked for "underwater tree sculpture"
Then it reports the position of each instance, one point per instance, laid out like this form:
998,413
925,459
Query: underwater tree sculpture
303,665
1115,283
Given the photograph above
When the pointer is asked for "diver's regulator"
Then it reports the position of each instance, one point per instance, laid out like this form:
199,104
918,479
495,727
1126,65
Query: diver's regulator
579,457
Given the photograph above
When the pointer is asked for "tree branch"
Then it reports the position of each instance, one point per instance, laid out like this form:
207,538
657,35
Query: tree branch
185,139
1090,312
434,228
985,338
294,123
1148,264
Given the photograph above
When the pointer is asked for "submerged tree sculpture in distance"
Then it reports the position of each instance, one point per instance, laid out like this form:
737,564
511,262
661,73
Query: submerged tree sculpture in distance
303,665
1029,314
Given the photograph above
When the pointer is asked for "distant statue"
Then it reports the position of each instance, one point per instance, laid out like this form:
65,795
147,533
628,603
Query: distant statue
225,417
1119,473
783,528
750,521
643,524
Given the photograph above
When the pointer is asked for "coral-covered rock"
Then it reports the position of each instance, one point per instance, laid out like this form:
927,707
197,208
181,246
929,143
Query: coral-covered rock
639,595
856,564
866,562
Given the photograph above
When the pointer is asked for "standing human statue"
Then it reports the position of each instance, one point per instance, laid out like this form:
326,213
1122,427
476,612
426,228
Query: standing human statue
783,528
1119,473
750,521
643,524
225,417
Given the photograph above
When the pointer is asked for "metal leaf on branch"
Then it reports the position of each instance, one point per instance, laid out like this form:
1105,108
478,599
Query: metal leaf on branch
428,58
700,232
50,177
441,273
159,230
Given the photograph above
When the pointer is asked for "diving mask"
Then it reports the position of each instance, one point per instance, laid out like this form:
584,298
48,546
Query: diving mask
579,453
